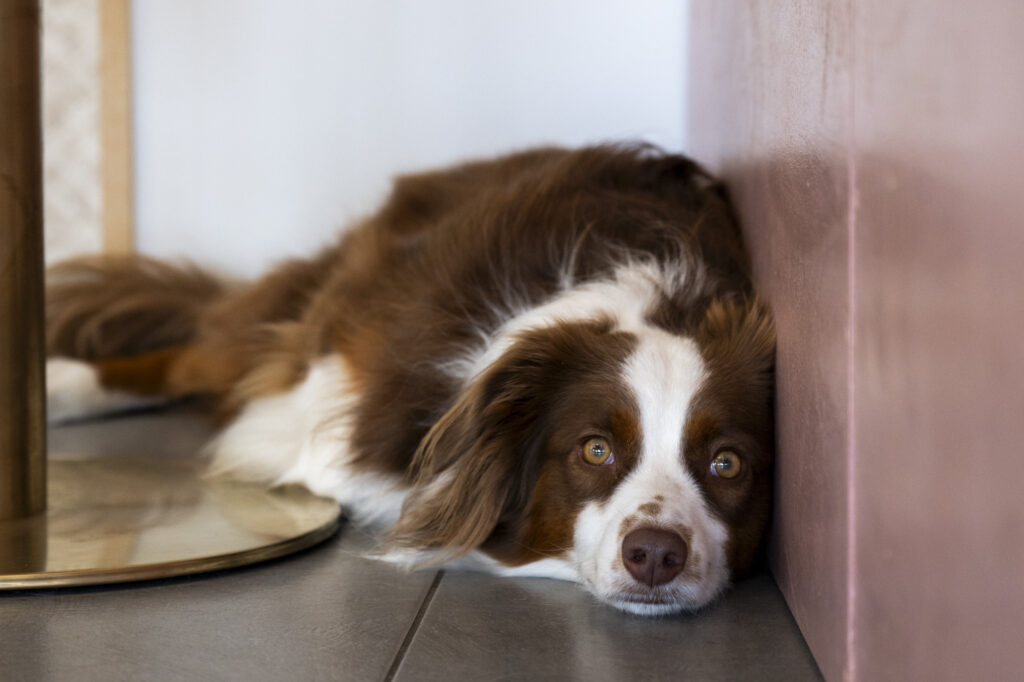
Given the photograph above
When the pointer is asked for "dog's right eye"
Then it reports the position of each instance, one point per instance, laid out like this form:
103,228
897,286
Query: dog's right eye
597,451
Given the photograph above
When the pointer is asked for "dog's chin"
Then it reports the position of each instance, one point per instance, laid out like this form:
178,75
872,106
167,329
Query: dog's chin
663,602
649,608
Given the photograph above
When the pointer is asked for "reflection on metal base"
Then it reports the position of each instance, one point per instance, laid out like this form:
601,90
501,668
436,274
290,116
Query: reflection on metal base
118,520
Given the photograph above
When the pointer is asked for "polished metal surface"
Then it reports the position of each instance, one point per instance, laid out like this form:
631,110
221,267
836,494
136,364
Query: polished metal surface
122,519
22,418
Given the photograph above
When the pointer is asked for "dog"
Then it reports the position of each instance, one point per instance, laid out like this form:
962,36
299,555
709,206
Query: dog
551,363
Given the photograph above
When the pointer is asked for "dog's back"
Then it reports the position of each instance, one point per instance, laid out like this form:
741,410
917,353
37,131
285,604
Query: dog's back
447,258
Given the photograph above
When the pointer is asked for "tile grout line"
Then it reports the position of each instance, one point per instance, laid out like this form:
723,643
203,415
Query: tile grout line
413,628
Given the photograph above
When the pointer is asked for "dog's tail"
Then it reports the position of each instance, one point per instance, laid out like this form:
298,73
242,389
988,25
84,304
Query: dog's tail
122,333
100,308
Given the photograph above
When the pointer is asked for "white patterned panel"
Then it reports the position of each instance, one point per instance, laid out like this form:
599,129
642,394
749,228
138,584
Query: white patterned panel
73,200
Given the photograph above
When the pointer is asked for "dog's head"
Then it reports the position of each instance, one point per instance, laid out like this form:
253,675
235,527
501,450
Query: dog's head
637,462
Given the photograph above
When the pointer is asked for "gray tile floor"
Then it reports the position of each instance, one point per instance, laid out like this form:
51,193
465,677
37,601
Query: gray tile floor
329,614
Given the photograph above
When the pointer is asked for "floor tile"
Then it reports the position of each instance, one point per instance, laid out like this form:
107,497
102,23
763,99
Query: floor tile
155,433
324,614
479,627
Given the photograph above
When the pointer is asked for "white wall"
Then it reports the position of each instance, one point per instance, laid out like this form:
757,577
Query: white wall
263,126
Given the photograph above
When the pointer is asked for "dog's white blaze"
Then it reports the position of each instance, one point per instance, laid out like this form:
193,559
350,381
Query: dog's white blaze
303,436
664,373
625,297
74,391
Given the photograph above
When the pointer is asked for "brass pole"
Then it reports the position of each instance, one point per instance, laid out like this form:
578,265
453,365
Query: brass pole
22,353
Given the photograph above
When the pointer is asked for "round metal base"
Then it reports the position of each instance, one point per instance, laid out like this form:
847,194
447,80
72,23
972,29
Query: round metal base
118,520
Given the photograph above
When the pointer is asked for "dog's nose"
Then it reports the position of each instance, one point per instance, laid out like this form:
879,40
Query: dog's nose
653,556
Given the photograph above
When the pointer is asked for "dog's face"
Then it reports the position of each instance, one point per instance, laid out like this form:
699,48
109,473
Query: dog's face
636,462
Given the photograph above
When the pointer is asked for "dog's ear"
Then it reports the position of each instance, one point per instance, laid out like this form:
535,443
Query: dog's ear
473,469
739,332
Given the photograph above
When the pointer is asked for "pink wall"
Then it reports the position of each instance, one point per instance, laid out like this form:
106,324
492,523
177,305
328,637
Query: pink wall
876,154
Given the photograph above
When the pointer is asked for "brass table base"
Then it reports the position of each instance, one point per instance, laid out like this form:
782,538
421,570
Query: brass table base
118,520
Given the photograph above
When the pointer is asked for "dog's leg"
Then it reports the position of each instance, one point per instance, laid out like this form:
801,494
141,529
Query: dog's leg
78,389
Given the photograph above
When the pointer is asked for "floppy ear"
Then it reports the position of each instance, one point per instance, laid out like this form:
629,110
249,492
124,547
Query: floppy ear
474,467
739,332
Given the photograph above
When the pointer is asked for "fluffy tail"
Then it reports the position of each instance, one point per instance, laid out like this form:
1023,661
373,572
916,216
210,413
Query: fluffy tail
118,330
100,308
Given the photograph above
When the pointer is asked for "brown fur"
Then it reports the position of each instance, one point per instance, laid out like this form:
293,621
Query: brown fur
606,199
496,442
144,374
445,261
734,408
98,308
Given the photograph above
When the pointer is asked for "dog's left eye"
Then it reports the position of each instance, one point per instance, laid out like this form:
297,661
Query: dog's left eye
726,464
597,451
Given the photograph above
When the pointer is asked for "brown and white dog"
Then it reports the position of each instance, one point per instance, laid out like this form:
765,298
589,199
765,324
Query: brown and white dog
548,364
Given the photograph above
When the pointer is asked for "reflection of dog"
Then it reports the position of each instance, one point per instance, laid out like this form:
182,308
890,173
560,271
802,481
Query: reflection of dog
548,364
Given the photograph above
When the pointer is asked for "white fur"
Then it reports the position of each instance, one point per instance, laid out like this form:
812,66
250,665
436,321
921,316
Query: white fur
74,391
303,436
554,568
664,373
625,297
558,569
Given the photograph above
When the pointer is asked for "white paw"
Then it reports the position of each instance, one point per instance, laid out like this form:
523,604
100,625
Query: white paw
73,392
